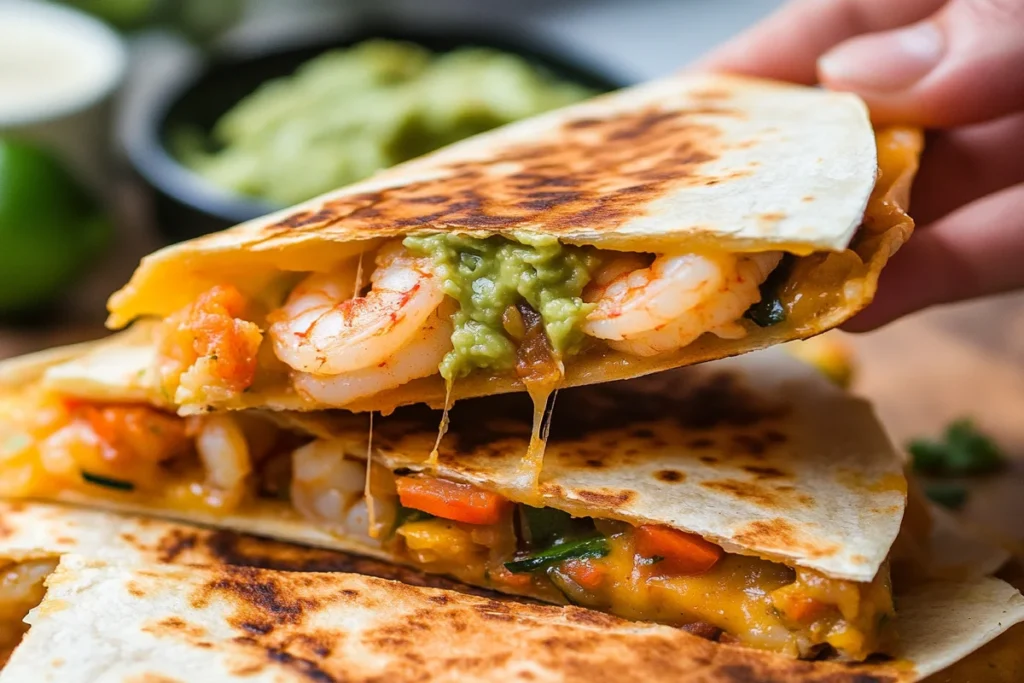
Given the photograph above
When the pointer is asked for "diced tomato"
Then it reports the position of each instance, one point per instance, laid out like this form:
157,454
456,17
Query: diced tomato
451,500
588,573
72,404
804,610
220,335
683,553
136,433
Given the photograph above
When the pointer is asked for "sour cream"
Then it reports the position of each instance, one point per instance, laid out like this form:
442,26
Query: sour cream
53,61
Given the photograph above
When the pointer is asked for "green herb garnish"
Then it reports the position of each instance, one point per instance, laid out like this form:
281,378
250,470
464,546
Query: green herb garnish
107,482
407,516
948,495
769,310
543,526
595,546
963,450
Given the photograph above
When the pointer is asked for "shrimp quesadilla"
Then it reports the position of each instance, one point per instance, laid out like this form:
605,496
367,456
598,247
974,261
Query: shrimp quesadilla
33,537
687,219
238,624
753,479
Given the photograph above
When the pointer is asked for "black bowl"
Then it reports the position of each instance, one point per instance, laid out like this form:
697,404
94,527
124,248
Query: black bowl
186,205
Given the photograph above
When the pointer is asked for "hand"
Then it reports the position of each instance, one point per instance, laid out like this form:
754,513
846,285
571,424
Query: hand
952,65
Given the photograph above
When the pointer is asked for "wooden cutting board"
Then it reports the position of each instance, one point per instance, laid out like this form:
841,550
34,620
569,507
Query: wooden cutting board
963,361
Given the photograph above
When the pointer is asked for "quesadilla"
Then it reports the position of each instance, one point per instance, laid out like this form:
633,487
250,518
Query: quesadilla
227,624
753,480
679,221
34,536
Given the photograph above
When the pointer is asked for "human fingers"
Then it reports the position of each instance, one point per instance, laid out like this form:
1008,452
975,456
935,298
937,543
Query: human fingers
965,164
787,44
961,65
974,251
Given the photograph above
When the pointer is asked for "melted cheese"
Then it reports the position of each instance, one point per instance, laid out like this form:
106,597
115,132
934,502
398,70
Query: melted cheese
746,597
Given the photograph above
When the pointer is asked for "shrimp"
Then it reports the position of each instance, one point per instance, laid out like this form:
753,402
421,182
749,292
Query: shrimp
323,330
420,357
224,453
328,488
647,310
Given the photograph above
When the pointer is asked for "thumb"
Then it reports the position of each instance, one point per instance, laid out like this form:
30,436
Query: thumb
962,65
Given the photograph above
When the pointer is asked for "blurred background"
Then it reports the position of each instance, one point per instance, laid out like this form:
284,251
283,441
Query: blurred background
129,124
151,121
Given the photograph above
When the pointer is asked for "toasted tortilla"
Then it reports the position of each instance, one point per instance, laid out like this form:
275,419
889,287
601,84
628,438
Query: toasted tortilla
33,529
229,624
686,163
33,537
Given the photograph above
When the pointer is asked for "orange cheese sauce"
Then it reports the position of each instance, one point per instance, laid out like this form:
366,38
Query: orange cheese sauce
759,603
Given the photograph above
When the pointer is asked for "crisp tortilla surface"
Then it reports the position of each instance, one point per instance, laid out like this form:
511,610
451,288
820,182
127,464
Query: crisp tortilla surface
687,161
225,624
34,529
691,162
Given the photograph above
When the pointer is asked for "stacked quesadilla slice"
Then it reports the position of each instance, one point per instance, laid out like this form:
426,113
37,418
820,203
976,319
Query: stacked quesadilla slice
178,603
748,499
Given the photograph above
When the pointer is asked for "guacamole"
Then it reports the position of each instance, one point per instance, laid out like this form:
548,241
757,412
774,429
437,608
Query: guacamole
487,276
349,113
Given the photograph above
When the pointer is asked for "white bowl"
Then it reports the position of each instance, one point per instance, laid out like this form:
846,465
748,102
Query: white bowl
59,70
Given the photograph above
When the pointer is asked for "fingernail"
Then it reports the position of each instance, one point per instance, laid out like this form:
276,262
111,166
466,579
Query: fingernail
884,62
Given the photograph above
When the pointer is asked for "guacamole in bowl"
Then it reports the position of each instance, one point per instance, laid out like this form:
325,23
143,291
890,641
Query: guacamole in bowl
350,112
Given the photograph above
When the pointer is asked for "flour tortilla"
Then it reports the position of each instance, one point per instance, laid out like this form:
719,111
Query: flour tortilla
224,624
688,162
33,537
34,529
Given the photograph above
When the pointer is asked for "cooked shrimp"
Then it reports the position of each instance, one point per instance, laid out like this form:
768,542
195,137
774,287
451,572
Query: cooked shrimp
324,330
224,453
420,357
328,488
662,307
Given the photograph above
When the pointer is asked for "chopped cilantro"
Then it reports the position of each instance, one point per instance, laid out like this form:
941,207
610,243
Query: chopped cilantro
963,450
770,310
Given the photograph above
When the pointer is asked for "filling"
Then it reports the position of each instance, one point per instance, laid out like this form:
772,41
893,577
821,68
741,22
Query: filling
226,464
454,306
643,572
21,589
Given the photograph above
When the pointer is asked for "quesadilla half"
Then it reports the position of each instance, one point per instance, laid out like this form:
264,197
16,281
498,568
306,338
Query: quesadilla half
687,219
753,480
227,624
34,536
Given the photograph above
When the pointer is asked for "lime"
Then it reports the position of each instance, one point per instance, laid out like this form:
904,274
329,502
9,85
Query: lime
50,227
